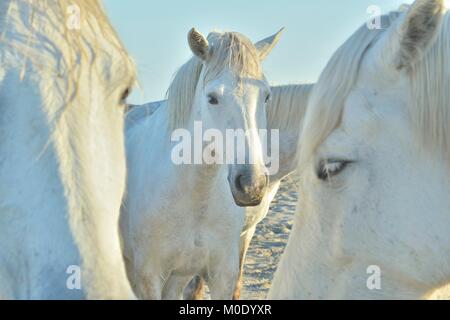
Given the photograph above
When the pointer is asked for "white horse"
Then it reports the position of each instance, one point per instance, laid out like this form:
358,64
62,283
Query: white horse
182,220
62,159
284,113
374,214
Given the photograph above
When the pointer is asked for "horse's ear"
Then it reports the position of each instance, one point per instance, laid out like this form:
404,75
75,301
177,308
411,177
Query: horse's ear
417,31
265,46
198,44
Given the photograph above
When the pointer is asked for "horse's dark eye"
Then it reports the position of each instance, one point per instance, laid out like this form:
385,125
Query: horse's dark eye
268,98
125,95
331,168
212,100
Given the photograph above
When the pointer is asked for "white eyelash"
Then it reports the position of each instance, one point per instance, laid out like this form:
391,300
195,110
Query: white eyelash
333,166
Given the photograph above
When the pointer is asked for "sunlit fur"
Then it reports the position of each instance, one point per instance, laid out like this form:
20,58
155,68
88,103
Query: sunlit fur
329,103
190,223
229,50
284,113
288,106
382,103
62,162
430,80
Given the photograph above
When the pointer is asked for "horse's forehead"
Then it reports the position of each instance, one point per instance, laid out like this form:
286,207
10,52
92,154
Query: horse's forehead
228,81
115,64
358,112
366,115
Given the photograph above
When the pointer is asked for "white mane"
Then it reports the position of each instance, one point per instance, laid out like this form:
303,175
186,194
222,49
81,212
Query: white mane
334,85
430,100
229,50
24,32
288,106
74,79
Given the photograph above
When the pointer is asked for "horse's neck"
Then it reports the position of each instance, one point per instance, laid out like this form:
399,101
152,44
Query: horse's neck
151,123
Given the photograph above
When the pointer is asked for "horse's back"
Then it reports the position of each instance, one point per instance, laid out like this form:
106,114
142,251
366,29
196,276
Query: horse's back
138,113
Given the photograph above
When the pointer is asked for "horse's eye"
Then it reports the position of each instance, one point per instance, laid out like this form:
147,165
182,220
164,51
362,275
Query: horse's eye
125,95
331,168
212,100
268,98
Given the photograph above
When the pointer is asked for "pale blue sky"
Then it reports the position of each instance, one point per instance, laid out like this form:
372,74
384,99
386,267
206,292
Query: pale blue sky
155,33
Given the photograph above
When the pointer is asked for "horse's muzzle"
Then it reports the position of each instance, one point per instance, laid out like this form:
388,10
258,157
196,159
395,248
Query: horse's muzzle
248,188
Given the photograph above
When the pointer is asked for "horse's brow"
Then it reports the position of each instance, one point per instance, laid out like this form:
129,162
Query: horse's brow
257,82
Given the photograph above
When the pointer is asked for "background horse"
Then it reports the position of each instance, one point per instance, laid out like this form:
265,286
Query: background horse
374,214
189,222
284,113
63,82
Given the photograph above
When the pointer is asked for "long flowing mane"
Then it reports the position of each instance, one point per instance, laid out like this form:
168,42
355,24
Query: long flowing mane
38,32
429,107
430,101
288,106
229,50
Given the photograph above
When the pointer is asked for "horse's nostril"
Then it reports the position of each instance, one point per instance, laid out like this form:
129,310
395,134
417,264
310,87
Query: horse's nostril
239,183
245,183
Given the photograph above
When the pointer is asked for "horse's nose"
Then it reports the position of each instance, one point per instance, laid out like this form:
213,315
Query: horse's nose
250,184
